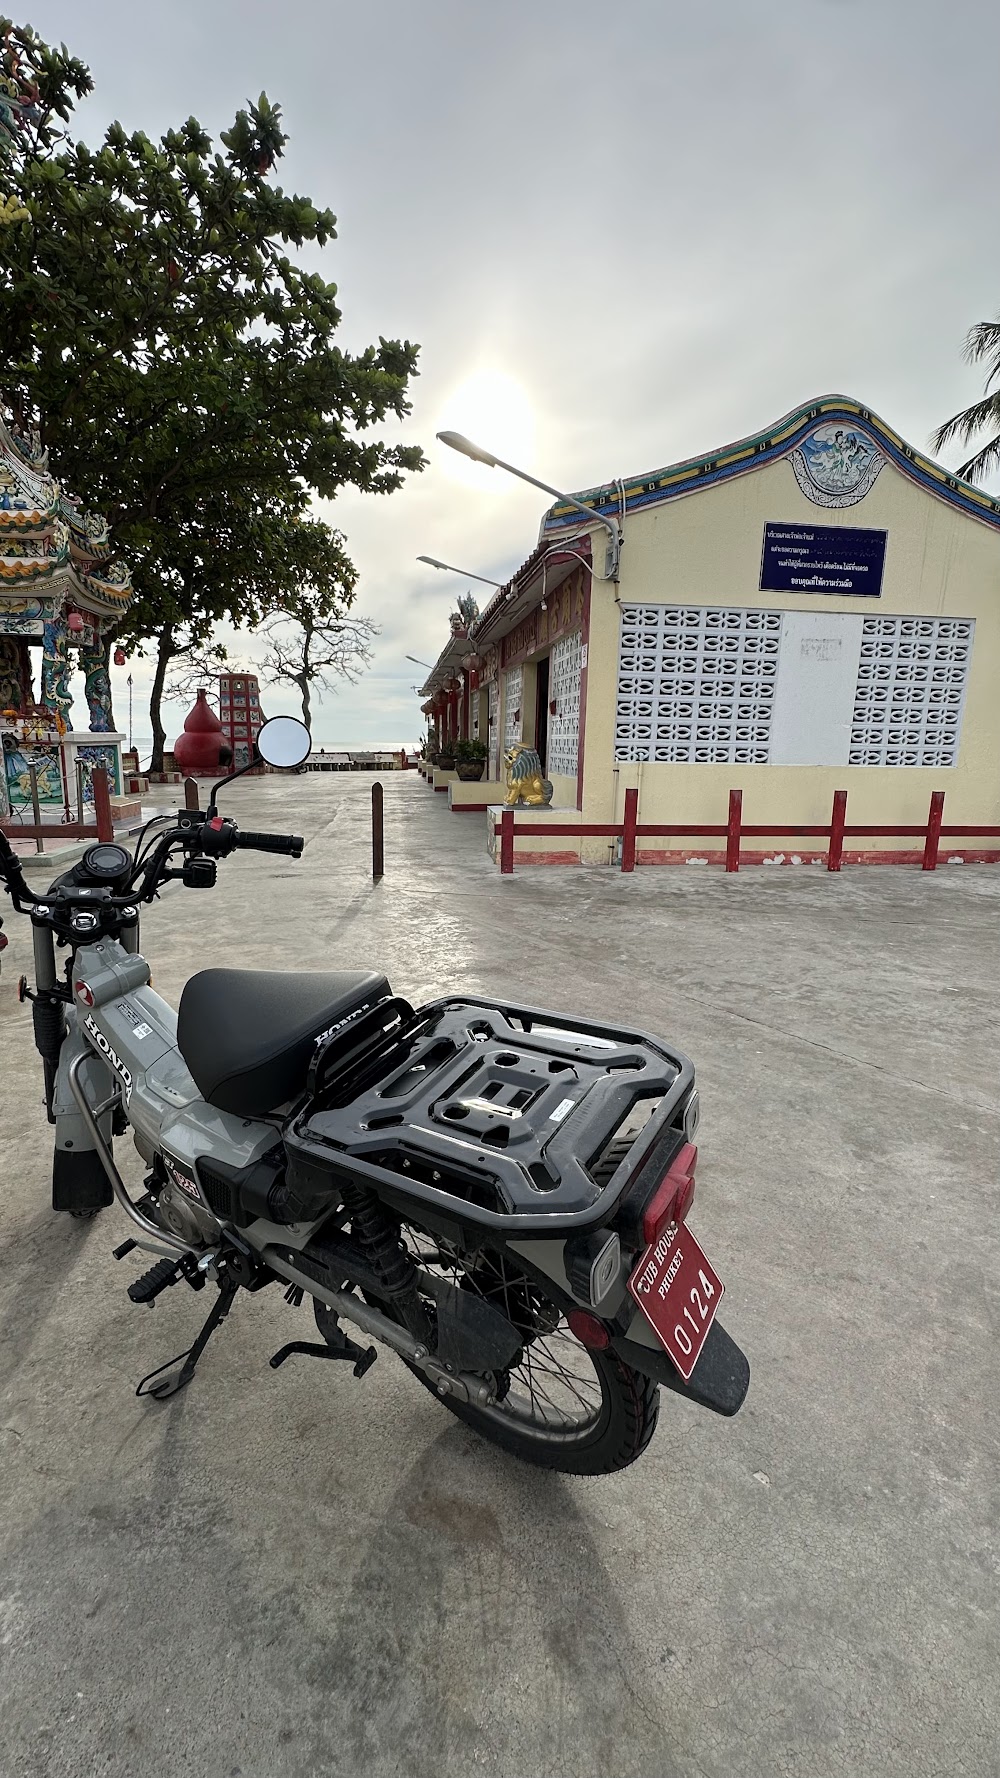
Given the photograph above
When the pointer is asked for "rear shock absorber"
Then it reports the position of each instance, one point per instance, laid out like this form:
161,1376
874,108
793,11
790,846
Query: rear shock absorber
379,1238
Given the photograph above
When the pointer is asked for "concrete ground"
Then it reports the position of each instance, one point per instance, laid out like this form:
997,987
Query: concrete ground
289,1575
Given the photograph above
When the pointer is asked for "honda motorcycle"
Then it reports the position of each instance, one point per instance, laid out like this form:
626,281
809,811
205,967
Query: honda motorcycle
496,1193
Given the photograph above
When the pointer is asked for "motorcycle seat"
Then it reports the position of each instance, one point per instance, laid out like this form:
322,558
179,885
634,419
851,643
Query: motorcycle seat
247,1035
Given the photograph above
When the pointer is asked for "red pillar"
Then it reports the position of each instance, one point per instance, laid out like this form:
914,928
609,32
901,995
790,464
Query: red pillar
935,816
733,829
507,843
628,830
838,821
102,805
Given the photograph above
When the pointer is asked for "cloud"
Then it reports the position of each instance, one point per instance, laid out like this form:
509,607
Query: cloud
667,224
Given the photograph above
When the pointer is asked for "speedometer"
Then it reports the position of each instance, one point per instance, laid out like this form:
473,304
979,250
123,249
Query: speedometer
104,863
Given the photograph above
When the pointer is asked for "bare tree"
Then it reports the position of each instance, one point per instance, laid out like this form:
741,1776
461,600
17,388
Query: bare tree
313,651
195,666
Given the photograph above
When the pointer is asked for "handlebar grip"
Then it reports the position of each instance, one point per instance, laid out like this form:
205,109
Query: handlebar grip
289,844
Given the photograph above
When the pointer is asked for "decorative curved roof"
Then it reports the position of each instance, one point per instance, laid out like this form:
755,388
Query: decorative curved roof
786,436
48,545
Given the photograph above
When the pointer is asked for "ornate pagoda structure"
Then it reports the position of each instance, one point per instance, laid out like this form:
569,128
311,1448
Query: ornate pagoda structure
61,594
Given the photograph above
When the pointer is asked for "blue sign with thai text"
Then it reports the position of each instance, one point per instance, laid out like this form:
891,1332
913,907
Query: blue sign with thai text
828,559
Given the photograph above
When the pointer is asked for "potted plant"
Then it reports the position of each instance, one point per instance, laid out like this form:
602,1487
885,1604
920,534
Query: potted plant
470,760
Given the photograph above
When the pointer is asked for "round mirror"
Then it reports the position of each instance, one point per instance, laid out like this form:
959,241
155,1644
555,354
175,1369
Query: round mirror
284,742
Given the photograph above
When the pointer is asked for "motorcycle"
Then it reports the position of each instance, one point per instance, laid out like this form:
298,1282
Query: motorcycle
496,1193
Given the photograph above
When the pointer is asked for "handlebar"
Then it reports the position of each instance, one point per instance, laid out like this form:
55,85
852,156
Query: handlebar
214,838
289,844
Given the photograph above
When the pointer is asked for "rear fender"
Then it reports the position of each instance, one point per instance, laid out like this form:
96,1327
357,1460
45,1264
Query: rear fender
720,1378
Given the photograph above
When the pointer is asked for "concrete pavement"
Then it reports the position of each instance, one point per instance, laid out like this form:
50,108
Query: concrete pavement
289,1575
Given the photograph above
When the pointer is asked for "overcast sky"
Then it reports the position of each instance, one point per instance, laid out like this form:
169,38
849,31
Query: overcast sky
622,234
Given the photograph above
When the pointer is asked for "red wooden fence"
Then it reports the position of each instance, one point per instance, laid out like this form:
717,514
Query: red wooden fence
101,828
734,831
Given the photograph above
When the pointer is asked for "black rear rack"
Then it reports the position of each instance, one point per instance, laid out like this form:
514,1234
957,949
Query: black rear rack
501,1114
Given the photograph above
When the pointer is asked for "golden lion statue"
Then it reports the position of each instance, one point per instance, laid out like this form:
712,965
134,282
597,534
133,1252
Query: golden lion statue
525,783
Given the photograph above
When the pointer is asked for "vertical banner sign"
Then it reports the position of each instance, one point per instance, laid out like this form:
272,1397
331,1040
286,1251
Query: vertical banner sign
824,559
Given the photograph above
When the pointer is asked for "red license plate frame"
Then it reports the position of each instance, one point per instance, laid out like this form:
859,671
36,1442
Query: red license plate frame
679,1292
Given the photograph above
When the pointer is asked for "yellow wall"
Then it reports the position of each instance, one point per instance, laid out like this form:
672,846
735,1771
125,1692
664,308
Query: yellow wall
705,549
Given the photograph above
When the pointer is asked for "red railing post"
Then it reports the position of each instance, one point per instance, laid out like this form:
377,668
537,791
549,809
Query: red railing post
507,843
935,816
838,821
733,830
629,827
102,805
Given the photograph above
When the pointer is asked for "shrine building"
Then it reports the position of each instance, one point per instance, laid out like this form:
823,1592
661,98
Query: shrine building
810,610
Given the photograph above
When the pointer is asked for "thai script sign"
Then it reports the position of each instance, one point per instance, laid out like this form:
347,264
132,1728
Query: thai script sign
824,559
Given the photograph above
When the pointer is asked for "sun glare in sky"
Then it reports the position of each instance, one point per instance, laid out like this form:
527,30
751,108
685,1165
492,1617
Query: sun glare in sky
493,410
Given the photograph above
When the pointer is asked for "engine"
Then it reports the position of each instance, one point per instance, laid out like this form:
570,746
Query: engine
180,1208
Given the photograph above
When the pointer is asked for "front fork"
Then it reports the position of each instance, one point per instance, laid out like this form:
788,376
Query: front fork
80,1183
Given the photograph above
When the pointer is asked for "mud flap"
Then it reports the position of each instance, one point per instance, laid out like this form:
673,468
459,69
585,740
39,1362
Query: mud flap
79,1182
720,1378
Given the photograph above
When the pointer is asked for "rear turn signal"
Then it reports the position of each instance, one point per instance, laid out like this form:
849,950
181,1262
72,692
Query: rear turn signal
673,1197
588,1330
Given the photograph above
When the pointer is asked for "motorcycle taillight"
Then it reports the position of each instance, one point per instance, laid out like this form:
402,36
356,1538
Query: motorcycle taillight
673,1197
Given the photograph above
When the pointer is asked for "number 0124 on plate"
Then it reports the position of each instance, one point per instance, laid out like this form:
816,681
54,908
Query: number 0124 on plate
678,1291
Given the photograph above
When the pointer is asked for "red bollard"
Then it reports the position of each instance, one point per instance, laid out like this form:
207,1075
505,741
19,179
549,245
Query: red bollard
507,843
838,821
102,805
733,829
628,830
378,845
935,817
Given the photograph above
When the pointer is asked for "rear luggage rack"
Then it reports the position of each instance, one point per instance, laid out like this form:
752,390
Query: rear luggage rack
504,1111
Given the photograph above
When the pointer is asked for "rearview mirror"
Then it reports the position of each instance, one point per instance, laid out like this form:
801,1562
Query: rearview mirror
284,742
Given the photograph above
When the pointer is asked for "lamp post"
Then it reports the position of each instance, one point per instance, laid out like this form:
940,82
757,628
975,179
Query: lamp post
456,441
417,662
466,573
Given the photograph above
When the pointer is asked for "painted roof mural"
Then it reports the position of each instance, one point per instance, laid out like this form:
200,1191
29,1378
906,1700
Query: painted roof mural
837,448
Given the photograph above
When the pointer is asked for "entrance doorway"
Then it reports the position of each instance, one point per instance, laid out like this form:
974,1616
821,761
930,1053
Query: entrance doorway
542,709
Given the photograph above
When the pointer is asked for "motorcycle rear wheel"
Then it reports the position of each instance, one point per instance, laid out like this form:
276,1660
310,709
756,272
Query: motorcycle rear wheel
564,1407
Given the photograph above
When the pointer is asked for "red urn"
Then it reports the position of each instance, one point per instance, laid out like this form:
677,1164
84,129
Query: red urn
202,748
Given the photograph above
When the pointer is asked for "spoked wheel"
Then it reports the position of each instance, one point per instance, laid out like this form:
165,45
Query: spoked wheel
561,1406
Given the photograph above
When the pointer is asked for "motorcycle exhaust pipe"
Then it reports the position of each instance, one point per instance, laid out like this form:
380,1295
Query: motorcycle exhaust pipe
464,1385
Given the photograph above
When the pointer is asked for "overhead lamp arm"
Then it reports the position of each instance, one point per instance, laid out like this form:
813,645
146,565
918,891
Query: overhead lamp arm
458,442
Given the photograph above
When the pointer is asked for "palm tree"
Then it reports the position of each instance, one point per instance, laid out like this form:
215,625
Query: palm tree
982,345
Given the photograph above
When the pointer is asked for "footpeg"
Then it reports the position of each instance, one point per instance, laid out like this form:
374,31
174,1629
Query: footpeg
364,1357
161,1276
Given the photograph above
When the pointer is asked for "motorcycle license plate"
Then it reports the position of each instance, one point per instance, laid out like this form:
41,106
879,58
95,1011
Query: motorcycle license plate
678,1291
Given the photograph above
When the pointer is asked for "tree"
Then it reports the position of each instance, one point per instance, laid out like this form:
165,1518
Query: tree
982,346
235,570
180,366
196,667
315,651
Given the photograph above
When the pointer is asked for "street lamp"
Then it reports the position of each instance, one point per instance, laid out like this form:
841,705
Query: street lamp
432,562
456,441
417,662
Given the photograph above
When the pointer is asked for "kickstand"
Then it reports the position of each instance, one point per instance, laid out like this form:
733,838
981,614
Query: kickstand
175,1379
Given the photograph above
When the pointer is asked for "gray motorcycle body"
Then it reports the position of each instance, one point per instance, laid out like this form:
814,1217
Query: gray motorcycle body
128,1034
